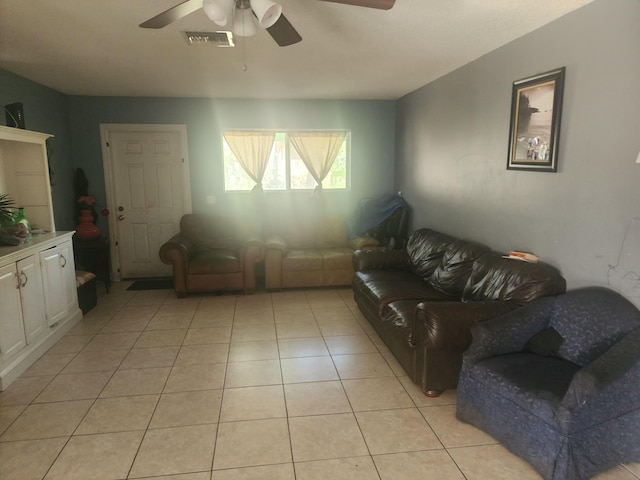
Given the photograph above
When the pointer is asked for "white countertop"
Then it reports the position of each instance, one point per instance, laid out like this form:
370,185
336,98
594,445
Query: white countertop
11,253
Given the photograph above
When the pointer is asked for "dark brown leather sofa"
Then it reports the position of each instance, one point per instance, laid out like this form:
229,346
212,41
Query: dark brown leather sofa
213,253
423,300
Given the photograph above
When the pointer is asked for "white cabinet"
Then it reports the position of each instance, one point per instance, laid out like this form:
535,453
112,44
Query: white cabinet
24,174
60,294
38,300
32,300
21,306
12,338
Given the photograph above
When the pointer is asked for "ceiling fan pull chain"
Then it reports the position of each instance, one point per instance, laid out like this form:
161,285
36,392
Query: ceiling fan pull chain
244,50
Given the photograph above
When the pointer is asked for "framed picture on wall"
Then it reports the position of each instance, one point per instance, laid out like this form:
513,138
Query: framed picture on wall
536,108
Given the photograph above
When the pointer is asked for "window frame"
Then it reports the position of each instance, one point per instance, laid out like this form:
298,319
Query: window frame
287,160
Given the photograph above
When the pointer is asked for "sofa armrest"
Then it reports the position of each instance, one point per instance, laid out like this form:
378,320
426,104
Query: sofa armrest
178,249
253,246
364,260
273,269
252,252
276,242
447,325
510,330
359,243
605,388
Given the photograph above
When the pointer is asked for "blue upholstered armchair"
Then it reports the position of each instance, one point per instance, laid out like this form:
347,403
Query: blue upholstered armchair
557,381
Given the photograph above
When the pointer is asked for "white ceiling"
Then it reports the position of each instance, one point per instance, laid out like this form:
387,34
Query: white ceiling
95,47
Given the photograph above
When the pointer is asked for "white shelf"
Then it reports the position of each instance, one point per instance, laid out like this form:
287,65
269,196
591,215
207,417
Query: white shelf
24,174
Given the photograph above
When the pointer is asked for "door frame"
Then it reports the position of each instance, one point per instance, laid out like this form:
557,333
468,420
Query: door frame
106,129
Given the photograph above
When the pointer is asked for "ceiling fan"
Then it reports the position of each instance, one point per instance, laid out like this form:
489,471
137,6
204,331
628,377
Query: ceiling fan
241,16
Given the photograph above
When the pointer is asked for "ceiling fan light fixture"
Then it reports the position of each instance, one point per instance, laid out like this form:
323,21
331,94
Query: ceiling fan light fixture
219,11
267,11
244,24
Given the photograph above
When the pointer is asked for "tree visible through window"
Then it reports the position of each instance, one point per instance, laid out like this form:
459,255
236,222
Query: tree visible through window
286,170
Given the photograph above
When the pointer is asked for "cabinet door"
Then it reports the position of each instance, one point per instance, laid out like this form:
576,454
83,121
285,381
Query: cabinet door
58,282
12,338
69,276
33,311
53,284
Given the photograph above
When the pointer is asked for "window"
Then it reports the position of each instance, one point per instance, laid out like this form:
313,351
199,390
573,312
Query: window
286,169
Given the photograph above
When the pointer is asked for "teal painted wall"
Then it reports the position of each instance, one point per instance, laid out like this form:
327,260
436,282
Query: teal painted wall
372,126
75,122
45,110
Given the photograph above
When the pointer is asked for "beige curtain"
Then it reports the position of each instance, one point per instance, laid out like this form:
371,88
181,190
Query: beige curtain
318,151
252,149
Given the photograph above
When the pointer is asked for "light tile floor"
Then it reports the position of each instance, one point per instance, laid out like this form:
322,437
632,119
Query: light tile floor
272,386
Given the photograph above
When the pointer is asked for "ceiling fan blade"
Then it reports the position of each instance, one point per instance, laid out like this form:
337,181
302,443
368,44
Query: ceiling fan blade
174,13
381,4
283,32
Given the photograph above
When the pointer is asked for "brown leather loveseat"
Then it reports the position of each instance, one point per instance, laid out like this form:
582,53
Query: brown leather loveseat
213,253
423,300
309,251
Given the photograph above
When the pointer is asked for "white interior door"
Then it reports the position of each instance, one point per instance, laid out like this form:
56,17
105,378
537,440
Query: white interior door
149,194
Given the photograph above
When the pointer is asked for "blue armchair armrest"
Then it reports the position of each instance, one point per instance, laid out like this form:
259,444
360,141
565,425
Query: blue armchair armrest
510,332
606,388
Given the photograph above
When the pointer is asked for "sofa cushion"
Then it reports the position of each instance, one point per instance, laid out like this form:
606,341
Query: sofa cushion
451,275
496,278
215,261
337,258
306,247
546,343
425,249
331,233
305,259
210,231
540,390
383,287
297,232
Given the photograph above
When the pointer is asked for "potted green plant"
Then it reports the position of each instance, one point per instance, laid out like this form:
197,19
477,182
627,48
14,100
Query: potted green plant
7,210
11,232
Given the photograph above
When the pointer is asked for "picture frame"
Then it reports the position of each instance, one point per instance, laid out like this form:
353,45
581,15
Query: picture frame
534,133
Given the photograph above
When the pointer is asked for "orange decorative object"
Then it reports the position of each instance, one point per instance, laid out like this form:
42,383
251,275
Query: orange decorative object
86,229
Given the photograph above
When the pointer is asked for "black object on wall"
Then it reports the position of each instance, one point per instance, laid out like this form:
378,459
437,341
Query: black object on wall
15,115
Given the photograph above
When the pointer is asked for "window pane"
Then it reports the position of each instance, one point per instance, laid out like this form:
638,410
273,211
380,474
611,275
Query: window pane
235,178
275,176
335,179
337,176
300,176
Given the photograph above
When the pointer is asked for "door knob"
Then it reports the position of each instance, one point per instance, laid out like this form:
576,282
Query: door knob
120,217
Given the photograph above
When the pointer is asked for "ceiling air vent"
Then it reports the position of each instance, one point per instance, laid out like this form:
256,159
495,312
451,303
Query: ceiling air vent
219,39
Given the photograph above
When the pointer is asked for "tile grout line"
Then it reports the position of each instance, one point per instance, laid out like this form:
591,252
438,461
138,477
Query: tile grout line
222,394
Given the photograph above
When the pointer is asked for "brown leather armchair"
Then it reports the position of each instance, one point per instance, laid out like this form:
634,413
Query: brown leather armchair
213,253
